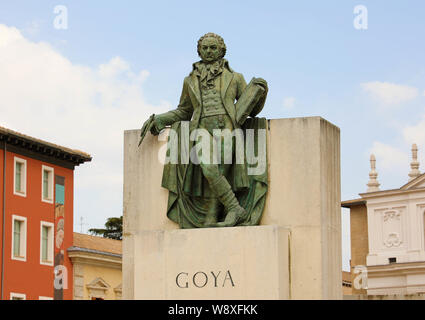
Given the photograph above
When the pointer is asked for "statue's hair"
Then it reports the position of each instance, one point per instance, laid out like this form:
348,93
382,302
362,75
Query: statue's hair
219,39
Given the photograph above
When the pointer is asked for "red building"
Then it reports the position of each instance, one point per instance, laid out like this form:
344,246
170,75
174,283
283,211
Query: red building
36,225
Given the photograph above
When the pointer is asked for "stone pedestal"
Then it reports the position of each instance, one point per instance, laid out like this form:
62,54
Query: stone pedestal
219,263
294,254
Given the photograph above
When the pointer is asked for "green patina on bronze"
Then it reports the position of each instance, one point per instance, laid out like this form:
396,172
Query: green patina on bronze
206,194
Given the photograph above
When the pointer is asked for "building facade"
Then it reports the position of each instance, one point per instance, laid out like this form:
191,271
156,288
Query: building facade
388,236
36,225
97,265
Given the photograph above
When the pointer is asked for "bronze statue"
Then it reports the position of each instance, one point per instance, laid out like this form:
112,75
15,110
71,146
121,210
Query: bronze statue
209,194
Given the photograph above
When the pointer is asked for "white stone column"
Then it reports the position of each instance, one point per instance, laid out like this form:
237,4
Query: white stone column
304,196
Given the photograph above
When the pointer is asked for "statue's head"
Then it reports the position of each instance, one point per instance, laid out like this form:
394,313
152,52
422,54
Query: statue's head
211,47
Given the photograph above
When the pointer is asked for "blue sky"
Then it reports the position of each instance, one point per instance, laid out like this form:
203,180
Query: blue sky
370,83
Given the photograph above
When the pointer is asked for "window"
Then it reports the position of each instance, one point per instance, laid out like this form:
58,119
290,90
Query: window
47,174
17,226
19,238
20,177
17,296
46,243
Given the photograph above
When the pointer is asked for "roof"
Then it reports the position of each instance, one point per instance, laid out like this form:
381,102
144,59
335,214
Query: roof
98,244
16,140
352,203
414,183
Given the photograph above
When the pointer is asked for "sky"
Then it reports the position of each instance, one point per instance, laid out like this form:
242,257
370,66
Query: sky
81,83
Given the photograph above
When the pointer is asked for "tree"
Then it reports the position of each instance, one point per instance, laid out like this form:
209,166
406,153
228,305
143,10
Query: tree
113,229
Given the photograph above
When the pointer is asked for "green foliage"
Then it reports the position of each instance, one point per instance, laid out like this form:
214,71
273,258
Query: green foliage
113,229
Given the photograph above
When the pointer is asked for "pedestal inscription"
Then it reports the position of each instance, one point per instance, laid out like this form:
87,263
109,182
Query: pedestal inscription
200,279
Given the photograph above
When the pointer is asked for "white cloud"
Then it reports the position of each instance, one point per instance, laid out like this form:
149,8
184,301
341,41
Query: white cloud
9,35
390,93
390,158
393,163
45,95
416,134
288,102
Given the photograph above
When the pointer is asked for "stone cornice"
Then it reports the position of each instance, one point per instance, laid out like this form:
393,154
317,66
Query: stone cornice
391,192
396,269
94,258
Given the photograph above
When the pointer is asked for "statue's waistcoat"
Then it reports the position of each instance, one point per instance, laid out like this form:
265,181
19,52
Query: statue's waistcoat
212,103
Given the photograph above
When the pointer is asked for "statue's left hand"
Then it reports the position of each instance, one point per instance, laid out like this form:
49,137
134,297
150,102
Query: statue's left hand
261,82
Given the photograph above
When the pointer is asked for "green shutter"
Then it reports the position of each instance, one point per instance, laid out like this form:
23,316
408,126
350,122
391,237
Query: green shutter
18,177
44,243
17,238
45,184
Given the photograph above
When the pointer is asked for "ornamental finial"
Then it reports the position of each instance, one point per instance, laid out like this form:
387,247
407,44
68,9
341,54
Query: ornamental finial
373,184
414,165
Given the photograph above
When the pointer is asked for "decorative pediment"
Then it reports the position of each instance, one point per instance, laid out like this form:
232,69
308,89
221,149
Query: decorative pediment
416,183
98,284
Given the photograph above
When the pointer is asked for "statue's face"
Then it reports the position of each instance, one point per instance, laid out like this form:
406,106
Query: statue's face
210,49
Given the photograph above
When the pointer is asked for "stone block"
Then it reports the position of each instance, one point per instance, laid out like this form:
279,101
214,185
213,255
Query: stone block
212,263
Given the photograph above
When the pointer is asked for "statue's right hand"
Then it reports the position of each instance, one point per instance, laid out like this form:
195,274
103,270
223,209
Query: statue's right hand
156,126
147,126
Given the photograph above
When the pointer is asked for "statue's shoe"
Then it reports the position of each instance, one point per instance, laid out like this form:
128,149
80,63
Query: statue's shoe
234,216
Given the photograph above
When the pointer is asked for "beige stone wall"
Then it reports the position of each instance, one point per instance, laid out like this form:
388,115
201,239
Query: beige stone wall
113,277
359,240
96,275
346,290
346,283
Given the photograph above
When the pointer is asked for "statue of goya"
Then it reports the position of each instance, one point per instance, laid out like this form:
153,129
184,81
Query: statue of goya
214,97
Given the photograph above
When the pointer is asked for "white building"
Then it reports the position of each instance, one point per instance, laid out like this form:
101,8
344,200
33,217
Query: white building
395,225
